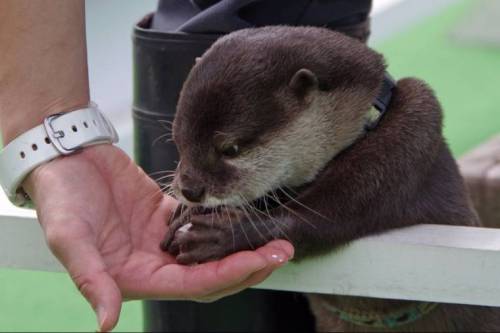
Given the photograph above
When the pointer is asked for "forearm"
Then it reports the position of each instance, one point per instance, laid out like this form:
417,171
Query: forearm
43,61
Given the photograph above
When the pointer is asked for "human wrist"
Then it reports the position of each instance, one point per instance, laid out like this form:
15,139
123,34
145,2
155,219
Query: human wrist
35,111
34,180
54,172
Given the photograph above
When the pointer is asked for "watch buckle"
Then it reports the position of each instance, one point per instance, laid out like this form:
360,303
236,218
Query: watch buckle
54,135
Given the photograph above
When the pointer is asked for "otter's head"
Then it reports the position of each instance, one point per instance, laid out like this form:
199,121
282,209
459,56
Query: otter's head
267,108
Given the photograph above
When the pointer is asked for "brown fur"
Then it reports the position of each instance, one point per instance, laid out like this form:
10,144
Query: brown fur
399,174
216,102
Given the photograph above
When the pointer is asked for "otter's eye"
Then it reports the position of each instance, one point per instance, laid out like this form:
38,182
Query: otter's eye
231,151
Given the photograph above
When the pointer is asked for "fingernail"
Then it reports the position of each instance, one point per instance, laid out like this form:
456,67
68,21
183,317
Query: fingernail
279,258
101,317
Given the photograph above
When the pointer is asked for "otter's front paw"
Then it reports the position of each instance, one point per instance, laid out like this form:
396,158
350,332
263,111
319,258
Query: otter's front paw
197,237
178,220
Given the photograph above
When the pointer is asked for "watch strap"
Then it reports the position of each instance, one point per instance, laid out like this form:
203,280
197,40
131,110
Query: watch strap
60,134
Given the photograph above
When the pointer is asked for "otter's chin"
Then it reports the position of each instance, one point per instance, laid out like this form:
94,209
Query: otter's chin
213,202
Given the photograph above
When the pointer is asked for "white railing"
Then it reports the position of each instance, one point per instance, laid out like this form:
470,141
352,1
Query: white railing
427,262
438,263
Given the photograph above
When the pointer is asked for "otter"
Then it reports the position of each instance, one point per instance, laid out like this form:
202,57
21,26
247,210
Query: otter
277,138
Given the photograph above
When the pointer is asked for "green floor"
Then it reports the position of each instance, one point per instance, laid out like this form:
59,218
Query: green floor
466,79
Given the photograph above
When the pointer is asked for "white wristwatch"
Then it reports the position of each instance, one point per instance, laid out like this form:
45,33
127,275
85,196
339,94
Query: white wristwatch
60,134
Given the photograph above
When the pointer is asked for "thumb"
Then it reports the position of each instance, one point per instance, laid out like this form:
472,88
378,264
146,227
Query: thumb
88,271
104,296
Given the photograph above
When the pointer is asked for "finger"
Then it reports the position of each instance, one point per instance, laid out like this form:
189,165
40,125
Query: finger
275,260
86,268
175,281
193,282
195,255
275,254
277,245
252,280
103,294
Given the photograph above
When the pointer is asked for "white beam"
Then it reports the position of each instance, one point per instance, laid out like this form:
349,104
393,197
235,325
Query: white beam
22,245
448,264
427,262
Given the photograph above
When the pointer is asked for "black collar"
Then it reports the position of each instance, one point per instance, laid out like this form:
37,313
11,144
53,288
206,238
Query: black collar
380,104
383,99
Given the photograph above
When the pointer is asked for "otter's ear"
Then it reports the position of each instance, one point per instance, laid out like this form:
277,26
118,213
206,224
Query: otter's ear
303,81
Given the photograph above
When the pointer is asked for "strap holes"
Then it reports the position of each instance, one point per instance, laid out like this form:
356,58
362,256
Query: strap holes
74,128
34,147
95,122
22,154
47,140
85,124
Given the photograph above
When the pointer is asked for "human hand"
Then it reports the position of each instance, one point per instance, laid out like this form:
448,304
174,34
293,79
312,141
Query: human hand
104,219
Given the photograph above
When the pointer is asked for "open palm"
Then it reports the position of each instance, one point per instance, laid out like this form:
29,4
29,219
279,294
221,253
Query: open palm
104,220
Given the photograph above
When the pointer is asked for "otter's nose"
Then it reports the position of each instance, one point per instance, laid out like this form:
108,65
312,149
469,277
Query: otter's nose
193,194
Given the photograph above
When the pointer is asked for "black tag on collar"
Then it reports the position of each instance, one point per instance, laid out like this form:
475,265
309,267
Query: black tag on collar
383,99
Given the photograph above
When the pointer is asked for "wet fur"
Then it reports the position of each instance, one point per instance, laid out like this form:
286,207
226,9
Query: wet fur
399,174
